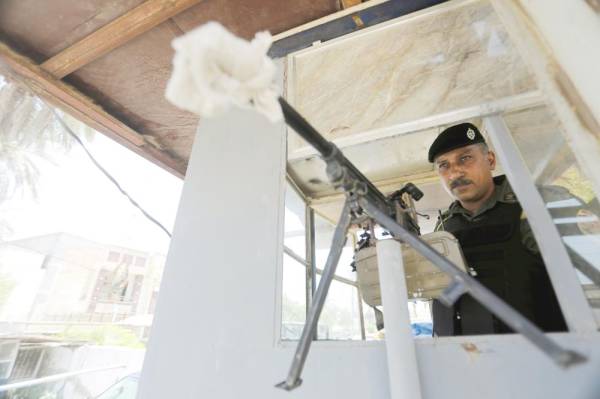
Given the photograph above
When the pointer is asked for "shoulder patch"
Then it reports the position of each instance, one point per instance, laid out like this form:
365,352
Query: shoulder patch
510,197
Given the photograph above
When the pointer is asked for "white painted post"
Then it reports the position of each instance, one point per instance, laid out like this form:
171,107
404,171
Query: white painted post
400,346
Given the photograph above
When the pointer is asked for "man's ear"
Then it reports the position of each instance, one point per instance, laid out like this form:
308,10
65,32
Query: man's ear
491,156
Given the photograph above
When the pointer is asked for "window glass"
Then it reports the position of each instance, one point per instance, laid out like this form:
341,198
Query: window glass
420,320
294,299
140,261
323,236
340,319
371,332
295,220
124,389
566,191
113,256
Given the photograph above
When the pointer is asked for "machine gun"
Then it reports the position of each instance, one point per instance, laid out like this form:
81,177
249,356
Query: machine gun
365,202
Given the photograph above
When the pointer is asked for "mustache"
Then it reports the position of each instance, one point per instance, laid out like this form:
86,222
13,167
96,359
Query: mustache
461,181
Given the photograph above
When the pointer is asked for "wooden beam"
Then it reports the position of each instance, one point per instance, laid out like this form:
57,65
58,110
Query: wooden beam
83,108
135,22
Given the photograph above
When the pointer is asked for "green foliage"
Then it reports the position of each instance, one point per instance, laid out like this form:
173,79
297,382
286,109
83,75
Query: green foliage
573,181
334,318
293,311
29,133
37,392
104,335
7,284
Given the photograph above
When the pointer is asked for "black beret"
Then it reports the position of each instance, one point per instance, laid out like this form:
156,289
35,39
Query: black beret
455,137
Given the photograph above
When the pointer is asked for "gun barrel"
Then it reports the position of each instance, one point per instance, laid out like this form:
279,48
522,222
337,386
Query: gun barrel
327,150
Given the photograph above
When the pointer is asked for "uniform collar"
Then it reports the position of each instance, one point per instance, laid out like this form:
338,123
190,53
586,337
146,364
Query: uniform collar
502,193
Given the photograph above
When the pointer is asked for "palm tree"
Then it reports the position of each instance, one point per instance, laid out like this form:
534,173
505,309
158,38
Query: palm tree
29,133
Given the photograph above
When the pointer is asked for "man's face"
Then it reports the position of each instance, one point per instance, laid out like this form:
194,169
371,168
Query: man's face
467,172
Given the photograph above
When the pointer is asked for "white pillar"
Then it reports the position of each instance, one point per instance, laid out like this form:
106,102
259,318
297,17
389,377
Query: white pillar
218,316
400,346
216,306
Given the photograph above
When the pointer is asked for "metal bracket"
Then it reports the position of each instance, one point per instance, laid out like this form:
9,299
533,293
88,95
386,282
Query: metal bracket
454,291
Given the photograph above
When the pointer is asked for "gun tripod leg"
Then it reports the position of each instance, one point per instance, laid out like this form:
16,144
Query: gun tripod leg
339,239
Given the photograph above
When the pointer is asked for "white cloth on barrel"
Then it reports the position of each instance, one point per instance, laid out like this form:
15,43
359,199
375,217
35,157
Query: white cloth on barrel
213,70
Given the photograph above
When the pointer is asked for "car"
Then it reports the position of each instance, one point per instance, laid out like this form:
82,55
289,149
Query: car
125,388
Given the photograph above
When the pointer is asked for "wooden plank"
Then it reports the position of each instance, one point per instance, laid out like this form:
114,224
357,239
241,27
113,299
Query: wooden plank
82,107
129,82
245,18
137,21
35,26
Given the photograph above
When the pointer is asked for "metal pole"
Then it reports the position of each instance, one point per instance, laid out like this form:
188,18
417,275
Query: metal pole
584,266
311,270
55,377
310,327
465,283
399,342
361,314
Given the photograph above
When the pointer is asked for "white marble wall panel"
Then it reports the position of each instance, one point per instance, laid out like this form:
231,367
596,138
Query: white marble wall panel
404,157
406,70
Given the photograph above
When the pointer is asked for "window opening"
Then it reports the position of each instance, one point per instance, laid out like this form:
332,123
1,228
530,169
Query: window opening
343,317
64,285
294,298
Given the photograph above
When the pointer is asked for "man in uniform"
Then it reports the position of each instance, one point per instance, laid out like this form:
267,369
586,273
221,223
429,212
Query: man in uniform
497,243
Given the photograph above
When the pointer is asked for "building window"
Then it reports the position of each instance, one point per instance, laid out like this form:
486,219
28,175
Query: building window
140,261
113,256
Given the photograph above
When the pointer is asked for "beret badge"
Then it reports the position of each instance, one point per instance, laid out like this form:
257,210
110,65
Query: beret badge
471,134
453,137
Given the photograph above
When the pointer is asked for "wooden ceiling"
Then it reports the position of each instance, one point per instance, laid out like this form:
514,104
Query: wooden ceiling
108,61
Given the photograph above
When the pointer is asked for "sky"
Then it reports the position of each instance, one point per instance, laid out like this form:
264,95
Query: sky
75,197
